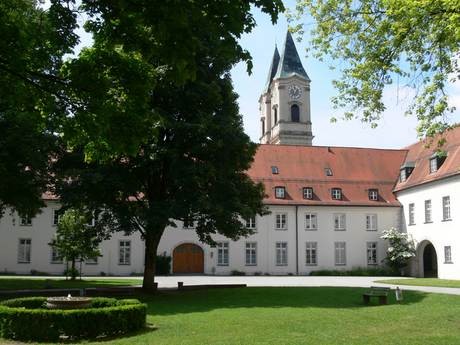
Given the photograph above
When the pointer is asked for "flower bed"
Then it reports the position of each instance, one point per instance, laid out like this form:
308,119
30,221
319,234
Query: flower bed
28,319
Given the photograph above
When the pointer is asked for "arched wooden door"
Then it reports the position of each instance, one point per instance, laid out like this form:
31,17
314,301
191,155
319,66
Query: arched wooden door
188,258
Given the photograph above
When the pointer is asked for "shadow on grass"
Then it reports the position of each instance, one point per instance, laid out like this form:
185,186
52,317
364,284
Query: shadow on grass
175,302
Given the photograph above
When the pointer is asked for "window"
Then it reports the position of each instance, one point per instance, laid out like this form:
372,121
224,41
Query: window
295,113
275,170
188,224
281,254
92,261
56,215
275,116
411,214
374,194
280,192
55,257
24,250
311,254
251,253
435,162
222,254
251,223
311,221
371,222
402,175
447,255
307,193
339,222
281,221
372,253
328,171
340,253
428,211
405,171
336,194
446,208
26,220
124,253
263,126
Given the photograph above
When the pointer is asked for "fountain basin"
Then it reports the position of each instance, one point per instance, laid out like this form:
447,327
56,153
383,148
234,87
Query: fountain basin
68,302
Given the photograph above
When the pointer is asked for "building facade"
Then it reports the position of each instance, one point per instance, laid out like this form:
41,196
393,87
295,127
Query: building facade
328,205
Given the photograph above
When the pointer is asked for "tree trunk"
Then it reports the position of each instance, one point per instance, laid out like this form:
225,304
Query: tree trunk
72,270
151,246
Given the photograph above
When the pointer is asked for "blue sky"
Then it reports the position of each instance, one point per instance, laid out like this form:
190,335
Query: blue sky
395,130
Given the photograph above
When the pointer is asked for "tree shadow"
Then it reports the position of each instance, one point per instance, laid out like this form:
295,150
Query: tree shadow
180,302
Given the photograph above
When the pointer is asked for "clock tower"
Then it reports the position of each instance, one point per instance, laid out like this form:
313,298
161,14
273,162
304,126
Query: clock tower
285,102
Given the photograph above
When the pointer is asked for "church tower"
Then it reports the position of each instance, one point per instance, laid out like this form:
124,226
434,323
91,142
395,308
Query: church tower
285,102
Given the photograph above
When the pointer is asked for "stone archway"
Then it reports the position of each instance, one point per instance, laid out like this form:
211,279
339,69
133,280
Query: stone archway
428,260
188,258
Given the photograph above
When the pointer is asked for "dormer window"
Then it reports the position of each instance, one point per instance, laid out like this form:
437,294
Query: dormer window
336,194
275,170
405,171
374,194
436,160
280,192
307,193
328,171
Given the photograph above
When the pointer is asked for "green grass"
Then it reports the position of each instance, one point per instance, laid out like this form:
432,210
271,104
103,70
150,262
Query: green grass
41,283
290,316
423,282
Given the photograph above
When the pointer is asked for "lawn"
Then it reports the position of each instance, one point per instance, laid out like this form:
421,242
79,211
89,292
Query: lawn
292,316
41,283
423,282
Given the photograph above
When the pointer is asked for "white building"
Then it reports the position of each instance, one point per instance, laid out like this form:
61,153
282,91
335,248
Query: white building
329,205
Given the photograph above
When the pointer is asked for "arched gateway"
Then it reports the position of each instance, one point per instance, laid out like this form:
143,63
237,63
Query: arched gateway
188,258
428,260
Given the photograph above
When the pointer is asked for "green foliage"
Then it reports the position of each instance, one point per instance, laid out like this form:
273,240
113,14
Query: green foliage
400,250
76,239
163,265
381,41
105,317
359,272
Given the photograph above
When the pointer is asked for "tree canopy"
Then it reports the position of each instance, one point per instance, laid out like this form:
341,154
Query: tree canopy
380,41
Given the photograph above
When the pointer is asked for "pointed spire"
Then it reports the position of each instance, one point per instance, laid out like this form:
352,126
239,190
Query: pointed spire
290,63
273,68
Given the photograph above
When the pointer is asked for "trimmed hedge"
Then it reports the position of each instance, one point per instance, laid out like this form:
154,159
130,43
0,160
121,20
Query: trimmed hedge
359,271
28,319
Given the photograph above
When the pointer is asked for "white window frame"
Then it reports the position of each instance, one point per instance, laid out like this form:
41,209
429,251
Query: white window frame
446,215
280,192
371,222
124,252
428,211
311,221
223,253
371,253
411,214
307,193
24,250
433,165
402,175
281,221
373,194
55,258
251,254
340,253
281,253
311,253
56,216
251,223
448,255
336,194
340,221
25,221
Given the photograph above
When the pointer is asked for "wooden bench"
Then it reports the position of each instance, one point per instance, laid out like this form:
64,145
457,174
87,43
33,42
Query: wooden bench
377,291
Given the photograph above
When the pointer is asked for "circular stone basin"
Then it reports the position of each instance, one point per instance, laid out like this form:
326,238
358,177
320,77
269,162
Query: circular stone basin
68,302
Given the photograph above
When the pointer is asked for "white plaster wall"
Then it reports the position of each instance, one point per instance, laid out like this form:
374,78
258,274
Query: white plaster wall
440,233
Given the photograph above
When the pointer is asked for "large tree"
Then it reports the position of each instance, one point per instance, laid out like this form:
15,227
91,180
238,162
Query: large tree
156,136
382,41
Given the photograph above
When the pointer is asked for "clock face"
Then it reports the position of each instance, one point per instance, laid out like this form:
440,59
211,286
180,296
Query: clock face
294,92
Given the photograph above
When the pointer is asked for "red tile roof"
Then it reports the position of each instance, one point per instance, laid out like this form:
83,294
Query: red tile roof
420,153
355,171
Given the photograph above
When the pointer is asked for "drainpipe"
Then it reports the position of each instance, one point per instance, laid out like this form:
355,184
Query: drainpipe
296,240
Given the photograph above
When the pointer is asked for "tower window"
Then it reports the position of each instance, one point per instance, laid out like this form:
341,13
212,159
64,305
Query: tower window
295,113
280,192
275,170
328,171
275,115
263,126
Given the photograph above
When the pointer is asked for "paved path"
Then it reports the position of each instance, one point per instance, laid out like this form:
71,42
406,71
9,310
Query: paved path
261,281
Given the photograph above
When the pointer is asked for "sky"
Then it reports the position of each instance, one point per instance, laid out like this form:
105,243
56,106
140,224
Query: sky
395,130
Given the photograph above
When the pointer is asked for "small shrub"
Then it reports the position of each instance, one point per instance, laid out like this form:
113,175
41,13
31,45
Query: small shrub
38,273
358,271
163,265
237,273
28,319
102,274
